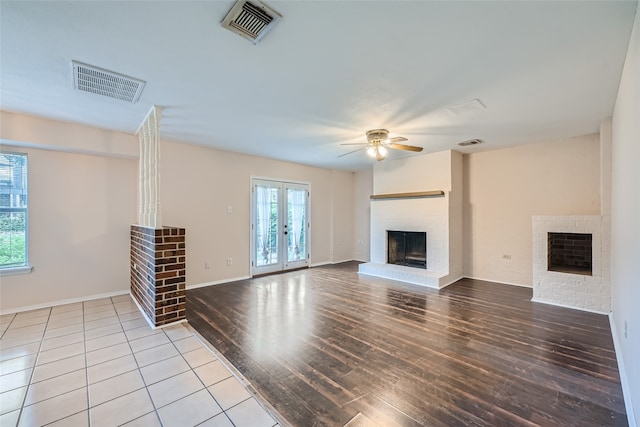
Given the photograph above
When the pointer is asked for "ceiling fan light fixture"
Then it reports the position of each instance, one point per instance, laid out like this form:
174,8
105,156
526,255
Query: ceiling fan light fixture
378,144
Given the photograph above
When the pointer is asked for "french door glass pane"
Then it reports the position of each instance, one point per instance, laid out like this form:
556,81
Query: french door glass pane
267,225
296,218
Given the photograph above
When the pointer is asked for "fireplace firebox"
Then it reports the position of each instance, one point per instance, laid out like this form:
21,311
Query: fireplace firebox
408,248
570,253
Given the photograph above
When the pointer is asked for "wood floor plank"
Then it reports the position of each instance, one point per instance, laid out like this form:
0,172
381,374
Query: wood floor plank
323,345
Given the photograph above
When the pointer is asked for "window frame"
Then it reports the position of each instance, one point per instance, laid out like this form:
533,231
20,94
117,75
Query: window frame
26,267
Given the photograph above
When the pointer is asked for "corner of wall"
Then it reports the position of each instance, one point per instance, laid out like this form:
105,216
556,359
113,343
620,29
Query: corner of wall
362,214
456,216
625,210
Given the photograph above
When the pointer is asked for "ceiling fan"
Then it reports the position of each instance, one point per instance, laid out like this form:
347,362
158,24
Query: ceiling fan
378,144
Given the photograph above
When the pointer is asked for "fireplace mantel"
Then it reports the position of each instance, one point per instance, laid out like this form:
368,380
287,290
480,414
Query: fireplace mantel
415,195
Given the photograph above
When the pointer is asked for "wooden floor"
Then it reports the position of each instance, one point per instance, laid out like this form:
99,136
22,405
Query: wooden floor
324,345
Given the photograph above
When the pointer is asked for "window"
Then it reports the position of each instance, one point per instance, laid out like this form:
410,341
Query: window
13,211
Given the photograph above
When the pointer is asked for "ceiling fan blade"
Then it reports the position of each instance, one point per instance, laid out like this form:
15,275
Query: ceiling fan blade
354,143
351,152
396,139
405,147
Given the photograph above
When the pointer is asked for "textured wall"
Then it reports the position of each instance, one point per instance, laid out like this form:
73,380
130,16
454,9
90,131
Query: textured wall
505,188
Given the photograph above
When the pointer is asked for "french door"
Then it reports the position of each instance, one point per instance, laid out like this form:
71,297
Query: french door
280,226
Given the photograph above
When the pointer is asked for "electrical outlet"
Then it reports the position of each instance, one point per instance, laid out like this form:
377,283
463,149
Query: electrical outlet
506,256
625,329
207,264
229,209
229,261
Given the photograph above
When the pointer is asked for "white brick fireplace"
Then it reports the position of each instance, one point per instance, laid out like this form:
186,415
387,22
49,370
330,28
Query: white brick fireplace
439,216
581,291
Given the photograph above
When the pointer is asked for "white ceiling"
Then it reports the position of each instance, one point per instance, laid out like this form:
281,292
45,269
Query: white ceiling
328,72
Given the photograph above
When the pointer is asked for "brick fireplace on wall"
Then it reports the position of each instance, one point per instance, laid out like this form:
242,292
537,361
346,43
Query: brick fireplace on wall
421,194
577,275
570,278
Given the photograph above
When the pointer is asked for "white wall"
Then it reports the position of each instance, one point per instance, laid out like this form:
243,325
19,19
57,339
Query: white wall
362,213
343,230
35,132
504,188
456,217
416,173
198,184
80,210
625,242
82,206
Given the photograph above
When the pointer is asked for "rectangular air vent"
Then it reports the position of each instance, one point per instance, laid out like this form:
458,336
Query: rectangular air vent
468,107
470,142
97,80
251,19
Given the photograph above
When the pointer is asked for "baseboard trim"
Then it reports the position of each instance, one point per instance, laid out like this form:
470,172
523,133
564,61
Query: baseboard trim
626,392
320,264
62,302
217,282
144,314
451,282
568,306
495,281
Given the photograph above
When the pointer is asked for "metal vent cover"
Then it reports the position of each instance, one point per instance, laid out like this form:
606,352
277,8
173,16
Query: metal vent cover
97,80
470,142
251,19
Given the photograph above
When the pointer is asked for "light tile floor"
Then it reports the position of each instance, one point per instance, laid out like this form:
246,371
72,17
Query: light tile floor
98,363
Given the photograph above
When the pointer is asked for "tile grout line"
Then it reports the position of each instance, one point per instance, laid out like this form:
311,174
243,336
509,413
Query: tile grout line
57,376
146,387
190,334
235,373
86,366
33,369
191,368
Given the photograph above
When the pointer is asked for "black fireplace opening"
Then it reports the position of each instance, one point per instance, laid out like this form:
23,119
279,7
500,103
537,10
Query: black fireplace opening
570,253
408,248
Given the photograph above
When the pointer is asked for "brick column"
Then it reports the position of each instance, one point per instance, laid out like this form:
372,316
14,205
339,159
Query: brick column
158,272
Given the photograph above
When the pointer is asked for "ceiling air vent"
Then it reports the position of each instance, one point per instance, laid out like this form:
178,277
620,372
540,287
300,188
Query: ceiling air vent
251,19
104,82
470,142
466,107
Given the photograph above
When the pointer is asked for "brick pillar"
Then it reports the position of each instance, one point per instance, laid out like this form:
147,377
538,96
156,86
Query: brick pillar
158,272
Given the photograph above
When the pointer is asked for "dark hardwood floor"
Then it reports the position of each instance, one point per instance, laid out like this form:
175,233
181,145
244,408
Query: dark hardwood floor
324,344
